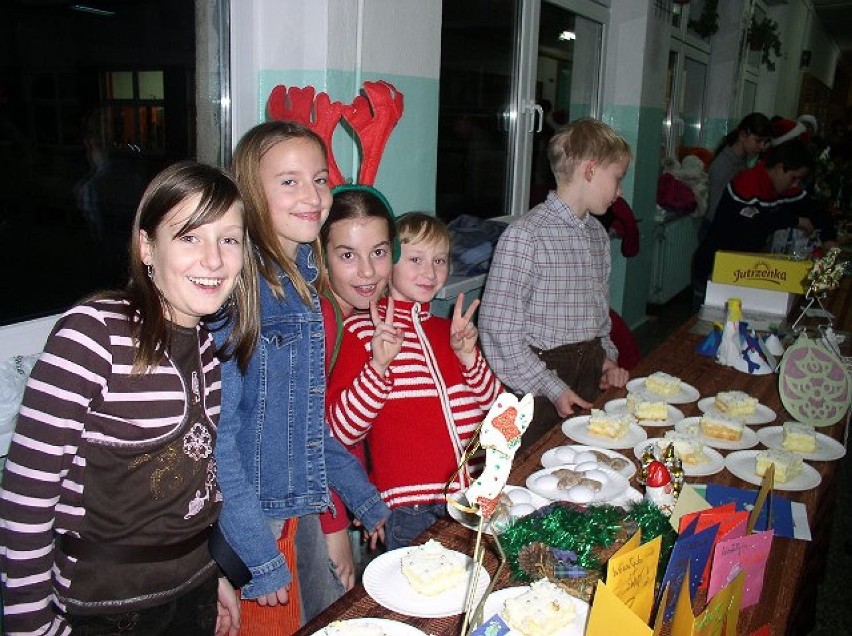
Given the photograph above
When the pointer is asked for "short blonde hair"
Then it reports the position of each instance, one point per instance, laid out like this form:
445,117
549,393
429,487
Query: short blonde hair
417,227
581,140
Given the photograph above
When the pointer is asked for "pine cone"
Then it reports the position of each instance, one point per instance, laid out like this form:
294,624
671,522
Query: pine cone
536,560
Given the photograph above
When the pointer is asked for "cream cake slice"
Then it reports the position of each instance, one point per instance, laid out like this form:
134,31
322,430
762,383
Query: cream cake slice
787,464
543,610
663,384
799,438
604,424
353,628
735,403
432,569
688,447
642,407
720,426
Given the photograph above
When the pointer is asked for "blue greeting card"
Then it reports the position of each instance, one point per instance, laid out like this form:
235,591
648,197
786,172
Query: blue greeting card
744,499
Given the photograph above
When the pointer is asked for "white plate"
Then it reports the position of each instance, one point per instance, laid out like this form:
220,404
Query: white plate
389,627
387,585
687,393
613,489
550,458
712,465
748,439
494,604
741,464
619,407
470,520
827,448
762,414
577,429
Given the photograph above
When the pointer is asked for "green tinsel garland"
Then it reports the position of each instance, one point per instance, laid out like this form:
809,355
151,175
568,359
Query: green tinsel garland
566,527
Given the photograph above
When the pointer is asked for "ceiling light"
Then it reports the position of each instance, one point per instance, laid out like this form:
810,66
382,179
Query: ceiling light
567,36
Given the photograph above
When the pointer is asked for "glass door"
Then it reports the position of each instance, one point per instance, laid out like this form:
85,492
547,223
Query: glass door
567,82
512,71
477,101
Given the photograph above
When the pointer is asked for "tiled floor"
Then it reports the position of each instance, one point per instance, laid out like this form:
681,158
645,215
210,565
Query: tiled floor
834,611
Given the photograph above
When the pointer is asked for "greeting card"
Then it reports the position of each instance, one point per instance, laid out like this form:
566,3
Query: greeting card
747,554
690,553
608,616
631,577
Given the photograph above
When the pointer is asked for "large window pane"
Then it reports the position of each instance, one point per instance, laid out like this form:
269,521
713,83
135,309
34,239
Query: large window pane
477,48
569,59
91,107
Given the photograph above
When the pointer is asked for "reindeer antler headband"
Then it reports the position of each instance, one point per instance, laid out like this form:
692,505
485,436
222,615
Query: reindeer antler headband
371,118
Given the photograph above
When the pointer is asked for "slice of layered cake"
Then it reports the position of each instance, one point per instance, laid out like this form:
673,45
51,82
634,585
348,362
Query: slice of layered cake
735,403
787,464
799,438
642,407
720,426
432,569
543,610
662,384
688,447
604,424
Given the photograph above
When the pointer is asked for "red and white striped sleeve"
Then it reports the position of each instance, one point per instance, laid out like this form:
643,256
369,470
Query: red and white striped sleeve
356,392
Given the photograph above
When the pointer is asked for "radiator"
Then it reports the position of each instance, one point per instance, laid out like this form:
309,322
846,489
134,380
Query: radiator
674,244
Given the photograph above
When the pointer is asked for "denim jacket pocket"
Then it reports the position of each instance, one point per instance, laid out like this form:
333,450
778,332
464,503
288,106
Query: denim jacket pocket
281,336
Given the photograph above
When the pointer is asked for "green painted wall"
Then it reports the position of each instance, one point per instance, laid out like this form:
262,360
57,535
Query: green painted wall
642,127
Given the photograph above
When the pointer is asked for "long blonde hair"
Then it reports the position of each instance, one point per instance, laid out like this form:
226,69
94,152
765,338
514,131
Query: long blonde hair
246,166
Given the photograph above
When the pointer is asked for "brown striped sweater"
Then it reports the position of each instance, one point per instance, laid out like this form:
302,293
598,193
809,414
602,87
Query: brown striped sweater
420,415
112,457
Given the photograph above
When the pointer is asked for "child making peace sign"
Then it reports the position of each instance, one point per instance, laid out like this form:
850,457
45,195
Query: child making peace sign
414,385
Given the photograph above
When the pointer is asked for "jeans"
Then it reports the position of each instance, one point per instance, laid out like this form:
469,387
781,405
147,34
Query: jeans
406,522
318,583
193,614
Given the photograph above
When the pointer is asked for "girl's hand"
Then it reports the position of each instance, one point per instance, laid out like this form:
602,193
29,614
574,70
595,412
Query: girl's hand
340,553
227,610
280,596
463,333
387,339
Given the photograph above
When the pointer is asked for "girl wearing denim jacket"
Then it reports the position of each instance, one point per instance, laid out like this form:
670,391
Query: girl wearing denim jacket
276,457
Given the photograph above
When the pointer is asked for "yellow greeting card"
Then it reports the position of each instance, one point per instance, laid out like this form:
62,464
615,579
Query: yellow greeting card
722,613
634,542
683,622
609,616
631,576
688,501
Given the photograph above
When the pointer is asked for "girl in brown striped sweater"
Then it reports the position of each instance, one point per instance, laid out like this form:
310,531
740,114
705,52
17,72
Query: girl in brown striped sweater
110,484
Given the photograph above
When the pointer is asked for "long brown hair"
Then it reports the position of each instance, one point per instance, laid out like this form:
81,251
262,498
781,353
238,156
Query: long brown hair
167,190
246,166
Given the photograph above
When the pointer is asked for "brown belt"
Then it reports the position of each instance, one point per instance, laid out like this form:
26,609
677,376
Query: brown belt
117,553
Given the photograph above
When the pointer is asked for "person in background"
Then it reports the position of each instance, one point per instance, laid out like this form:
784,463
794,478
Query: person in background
109,489
748,140
359,242
414,385
545,312
756,203
276,457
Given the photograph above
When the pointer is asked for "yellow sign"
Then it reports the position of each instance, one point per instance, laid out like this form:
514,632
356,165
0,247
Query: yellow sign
777,272
631,577
609,616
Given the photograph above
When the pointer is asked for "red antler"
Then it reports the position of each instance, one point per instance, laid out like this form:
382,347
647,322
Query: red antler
373,119
321,116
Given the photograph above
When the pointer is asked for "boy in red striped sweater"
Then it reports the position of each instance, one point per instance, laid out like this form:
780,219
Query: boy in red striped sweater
414,385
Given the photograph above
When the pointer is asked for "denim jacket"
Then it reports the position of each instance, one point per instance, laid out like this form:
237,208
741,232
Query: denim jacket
275,455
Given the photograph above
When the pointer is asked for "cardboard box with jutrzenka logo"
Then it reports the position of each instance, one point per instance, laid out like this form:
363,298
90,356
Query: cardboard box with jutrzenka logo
777,272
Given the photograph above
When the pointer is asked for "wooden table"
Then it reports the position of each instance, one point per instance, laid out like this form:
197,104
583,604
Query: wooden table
795,567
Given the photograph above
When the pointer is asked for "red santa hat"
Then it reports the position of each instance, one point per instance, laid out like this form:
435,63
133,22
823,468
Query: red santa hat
658,475
785,130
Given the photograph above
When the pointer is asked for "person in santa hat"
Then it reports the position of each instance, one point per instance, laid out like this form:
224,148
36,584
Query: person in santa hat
659,489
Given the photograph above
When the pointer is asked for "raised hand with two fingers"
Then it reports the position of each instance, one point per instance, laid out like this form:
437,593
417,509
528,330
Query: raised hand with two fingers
463,333
387,339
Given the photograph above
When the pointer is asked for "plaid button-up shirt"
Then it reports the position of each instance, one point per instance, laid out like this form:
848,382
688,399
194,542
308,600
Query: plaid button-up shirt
548,286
